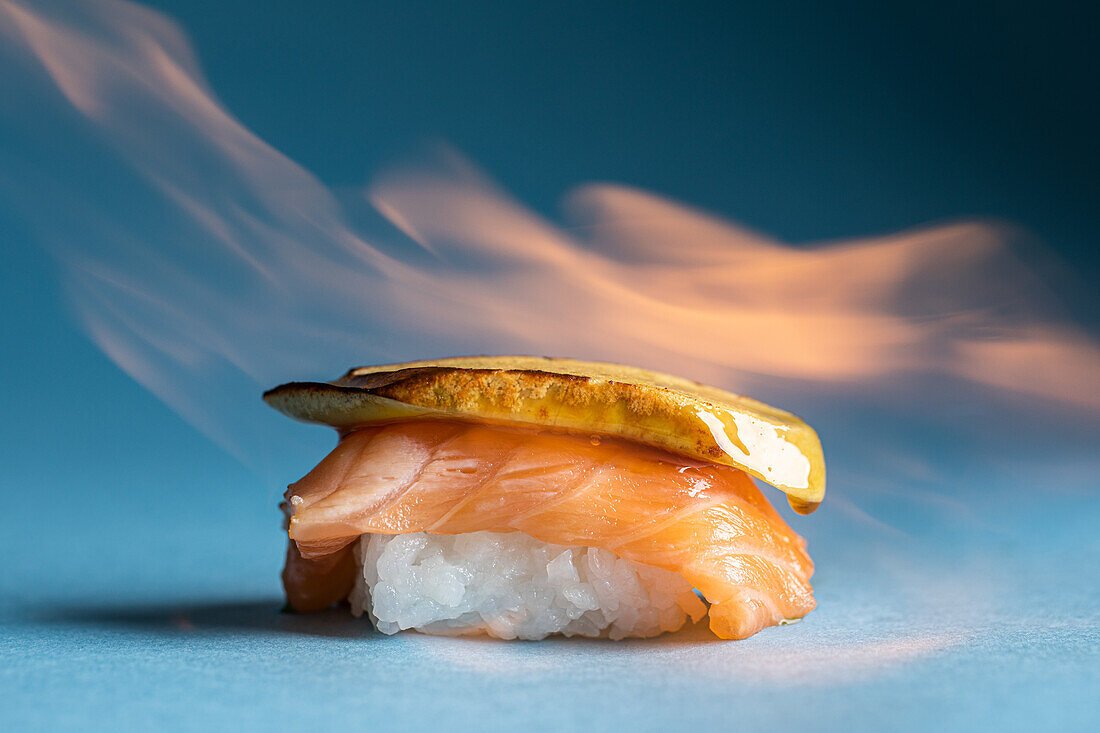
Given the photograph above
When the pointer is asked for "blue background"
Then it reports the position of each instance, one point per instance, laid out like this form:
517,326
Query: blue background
141,562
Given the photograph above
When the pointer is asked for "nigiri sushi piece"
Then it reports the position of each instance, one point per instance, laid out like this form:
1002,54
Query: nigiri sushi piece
463,497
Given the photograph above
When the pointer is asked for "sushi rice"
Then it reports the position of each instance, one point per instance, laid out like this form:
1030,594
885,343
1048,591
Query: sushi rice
512,586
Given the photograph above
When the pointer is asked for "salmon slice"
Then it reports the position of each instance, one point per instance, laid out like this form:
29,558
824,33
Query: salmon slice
707,522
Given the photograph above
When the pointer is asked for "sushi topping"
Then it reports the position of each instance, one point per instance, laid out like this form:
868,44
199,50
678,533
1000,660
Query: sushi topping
706,524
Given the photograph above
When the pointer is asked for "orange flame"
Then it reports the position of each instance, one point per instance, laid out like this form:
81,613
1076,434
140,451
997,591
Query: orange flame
647,280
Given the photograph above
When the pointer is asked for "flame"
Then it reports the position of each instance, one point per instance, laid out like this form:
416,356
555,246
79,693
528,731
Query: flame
647,280
243,269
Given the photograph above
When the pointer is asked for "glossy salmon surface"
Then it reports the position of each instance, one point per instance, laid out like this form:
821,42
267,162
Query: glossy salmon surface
707,522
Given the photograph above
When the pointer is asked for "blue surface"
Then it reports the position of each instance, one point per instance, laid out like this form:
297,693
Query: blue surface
956,553
167,614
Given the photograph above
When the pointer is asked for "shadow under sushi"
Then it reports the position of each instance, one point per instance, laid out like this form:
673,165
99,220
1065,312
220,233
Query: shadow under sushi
690,634
263,615
267,615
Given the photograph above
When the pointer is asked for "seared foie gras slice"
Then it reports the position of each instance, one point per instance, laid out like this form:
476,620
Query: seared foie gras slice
661,410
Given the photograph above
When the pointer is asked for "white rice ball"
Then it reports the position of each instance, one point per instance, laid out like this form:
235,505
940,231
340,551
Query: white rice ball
513,586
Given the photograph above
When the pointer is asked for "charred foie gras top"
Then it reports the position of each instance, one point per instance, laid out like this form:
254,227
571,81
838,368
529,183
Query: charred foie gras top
668,412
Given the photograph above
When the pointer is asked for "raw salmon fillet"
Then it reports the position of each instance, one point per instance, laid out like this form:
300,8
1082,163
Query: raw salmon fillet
707,522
